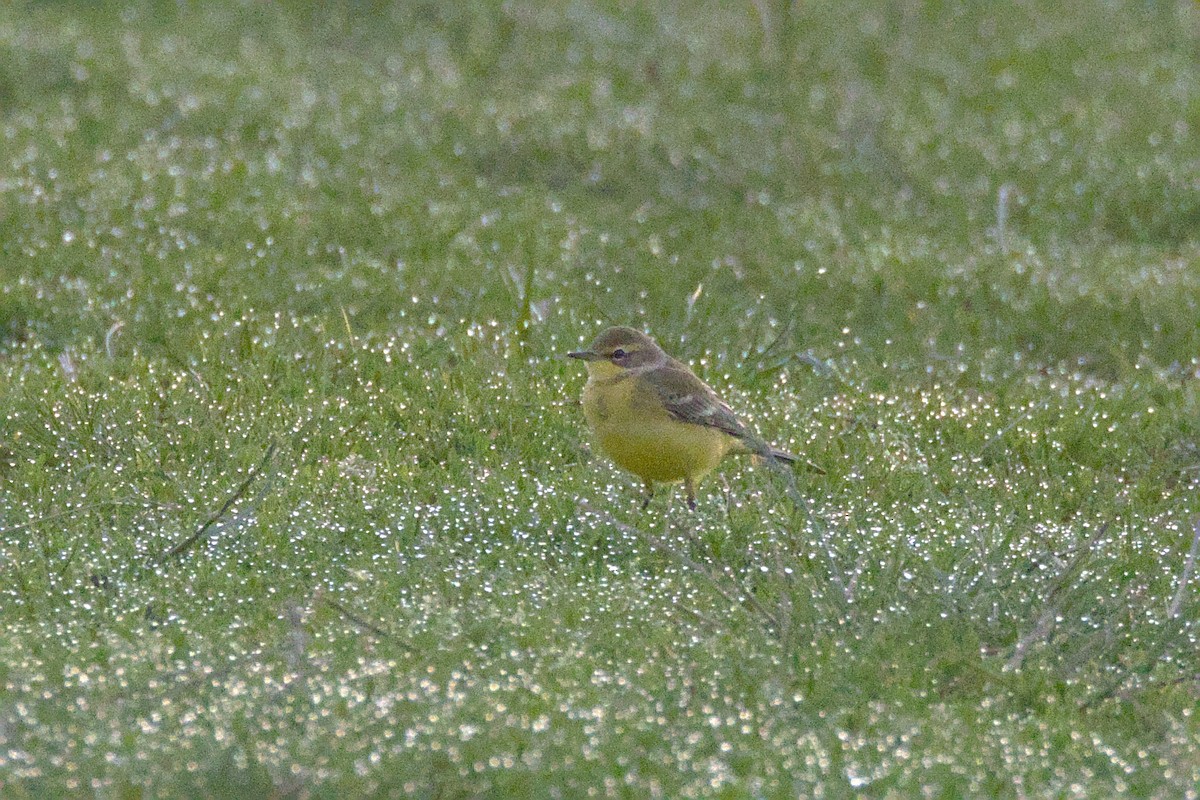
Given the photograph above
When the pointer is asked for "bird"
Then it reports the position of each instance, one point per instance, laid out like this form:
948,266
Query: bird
653,417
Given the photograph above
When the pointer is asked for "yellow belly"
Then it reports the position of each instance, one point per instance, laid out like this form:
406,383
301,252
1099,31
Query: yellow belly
641,437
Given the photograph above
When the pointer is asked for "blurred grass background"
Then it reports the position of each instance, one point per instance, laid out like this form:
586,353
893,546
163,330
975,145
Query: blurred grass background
948,250
836,165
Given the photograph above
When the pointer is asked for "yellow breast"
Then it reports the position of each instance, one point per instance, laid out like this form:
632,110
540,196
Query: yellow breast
636,432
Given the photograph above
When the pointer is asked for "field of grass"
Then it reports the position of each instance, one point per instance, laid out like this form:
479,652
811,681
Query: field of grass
295,494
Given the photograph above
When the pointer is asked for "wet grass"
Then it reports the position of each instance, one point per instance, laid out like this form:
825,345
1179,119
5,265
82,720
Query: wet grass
295,497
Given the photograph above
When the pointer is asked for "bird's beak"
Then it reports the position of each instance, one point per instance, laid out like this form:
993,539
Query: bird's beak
584,355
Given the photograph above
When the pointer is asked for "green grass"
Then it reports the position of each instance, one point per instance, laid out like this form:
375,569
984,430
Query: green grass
288,288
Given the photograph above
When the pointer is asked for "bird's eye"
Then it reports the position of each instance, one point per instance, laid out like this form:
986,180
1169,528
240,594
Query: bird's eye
618,353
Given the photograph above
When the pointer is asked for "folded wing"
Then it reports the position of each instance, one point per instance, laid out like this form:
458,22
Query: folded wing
689,399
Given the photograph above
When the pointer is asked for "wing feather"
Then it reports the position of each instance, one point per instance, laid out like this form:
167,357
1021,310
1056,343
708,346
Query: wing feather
689,399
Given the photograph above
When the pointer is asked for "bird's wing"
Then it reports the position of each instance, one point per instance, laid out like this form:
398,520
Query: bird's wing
689,399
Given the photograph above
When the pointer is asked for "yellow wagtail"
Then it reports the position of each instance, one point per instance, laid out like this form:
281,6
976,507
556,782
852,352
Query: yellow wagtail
655,418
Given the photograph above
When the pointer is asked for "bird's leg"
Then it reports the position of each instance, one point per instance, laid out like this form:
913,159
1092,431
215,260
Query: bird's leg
690,486
649,494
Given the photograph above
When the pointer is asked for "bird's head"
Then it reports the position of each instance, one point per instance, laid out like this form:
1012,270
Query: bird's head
619,349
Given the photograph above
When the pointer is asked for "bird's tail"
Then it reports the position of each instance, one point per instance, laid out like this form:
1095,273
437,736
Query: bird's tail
782,455
763,452
787,458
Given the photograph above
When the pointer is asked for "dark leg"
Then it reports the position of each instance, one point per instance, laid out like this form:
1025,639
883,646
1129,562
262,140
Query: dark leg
649,495
691,494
